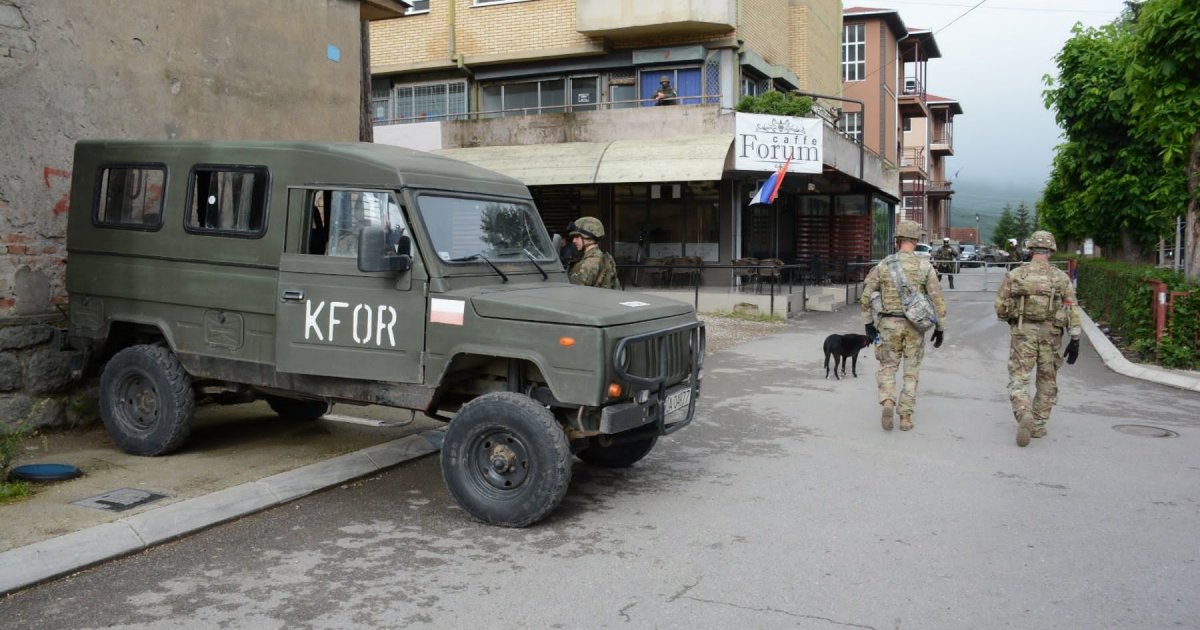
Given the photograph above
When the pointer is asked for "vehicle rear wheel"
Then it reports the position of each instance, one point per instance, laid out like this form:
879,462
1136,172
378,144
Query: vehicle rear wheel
297,409
505,460
622,455
146,400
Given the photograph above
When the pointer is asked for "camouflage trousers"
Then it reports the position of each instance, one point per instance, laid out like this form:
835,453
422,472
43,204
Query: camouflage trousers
901,341
1035,346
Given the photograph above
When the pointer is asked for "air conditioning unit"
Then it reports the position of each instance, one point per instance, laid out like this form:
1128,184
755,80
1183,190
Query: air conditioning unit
910,86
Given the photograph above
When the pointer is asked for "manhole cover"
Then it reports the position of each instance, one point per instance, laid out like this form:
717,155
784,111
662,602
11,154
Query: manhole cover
1145,430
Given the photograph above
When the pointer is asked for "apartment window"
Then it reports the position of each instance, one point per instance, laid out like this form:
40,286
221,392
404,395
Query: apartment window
485,2
907,124
228,199
544,96
851,124
418,6
131,196
687,82
854,52
418,102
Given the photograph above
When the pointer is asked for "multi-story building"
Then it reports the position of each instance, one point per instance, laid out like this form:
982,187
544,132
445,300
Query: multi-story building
560,94
884,64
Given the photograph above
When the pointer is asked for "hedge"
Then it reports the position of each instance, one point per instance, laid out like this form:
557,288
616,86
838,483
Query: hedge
1119,295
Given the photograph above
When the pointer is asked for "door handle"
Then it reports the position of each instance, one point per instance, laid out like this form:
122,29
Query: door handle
292,295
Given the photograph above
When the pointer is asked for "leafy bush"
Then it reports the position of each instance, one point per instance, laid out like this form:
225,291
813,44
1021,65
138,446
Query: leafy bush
1118,294
777,103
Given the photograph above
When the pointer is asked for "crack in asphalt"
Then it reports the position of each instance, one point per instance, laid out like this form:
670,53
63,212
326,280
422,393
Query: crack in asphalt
788,613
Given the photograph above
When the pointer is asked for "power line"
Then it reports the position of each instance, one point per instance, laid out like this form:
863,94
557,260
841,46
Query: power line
964,13
996,8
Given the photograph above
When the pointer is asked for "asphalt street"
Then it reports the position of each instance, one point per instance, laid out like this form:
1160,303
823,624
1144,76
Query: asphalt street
784,506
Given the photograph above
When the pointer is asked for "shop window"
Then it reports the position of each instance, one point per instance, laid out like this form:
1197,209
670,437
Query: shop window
543,96
419,102
666,220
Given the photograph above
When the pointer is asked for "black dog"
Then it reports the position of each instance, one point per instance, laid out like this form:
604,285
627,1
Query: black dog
842,346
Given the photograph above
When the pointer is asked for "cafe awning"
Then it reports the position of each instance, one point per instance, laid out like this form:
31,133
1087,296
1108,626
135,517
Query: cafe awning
677,158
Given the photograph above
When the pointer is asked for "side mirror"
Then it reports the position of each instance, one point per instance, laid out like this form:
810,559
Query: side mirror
374,253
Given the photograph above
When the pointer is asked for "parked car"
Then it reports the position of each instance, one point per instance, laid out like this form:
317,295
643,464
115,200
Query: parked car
968,257
924,250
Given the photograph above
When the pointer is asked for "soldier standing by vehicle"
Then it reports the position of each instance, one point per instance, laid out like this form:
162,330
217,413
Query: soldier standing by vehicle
595,267
1038,302
900,339
945,260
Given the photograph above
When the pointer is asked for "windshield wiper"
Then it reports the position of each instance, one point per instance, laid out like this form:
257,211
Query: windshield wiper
545,276
484,259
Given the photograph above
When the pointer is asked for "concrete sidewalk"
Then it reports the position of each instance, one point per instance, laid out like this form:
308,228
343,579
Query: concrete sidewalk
242,459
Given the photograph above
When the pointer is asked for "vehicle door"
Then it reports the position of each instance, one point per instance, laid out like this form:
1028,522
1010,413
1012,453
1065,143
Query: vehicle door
332,319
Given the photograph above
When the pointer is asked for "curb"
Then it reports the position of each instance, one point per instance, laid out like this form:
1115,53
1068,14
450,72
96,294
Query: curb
1117,362
29,565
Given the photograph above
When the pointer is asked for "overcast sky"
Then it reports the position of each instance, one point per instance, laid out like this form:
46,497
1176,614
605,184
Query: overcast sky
993,59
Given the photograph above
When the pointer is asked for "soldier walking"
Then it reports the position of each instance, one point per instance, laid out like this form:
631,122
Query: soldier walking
1038,302
945,260
595,267
899,338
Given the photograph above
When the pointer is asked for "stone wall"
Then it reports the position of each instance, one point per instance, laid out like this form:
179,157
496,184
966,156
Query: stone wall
36,385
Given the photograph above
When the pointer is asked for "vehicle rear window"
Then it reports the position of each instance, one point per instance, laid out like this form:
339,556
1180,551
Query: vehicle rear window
131,196
228,200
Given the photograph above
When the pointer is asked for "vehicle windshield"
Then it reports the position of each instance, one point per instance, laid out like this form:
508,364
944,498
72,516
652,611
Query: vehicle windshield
461,228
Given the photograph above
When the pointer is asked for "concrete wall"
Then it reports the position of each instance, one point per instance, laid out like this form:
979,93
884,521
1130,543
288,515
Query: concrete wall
69,70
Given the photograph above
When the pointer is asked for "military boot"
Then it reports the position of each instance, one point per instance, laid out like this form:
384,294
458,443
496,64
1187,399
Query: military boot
1024,428
906,423
1038,432
889,408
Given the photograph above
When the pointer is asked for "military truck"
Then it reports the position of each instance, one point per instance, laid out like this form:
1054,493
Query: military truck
309,274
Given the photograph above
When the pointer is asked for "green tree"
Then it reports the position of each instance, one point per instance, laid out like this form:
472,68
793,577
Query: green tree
1126,96
1164,93
1006,227
1023,222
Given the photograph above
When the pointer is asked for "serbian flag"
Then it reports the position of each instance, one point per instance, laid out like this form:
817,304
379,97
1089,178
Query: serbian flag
770,188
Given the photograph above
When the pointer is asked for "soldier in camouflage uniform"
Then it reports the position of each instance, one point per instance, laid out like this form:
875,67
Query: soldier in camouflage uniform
899,339
595,268
945,260
1038,302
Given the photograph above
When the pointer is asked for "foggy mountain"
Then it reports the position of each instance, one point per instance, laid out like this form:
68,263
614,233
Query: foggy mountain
987,199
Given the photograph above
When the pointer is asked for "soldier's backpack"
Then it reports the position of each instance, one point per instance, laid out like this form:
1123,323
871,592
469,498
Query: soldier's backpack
918,307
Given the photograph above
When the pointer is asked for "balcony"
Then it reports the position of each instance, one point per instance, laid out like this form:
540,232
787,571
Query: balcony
634,18
911,99
913,163
942,143
938,188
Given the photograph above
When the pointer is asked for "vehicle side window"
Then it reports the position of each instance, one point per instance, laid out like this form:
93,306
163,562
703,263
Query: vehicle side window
338,216
228,200
131,196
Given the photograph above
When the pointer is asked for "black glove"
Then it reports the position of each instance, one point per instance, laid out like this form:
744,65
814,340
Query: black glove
938,335
1072,352
872,332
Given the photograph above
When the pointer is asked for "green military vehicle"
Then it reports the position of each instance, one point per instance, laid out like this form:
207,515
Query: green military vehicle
308,274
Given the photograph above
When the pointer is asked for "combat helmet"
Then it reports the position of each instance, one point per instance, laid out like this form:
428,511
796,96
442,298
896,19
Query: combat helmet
1042,239
588,227
909,230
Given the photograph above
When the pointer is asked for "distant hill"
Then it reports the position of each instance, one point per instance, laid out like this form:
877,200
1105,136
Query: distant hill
987,199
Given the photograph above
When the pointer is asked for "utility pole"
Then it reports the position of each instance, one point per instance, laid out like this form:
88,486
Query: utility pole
978,238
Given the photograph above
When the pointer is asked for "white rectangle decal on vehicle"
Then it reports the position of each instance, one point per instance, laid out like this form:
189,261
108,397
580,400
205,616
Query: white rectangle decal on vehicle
634,304
446,311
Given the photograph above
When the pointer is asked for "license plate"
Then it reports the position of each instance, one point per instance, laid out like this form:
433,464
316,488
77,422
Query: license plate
678,400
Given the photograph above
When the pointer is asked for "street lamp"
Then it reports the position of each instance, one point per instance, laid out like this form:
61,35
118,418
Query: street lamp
977,240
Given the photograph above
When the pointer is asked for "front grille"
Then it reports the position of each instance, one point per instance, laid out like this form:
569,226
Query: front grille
644,354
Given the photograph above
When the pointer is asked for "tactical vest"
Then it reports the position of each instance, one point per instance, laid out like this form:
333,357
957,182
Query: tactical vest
1035,295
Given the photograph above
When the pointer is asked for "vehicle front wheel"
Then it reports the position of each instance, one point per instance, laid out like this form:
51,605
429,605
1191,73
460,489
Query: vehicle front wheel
297,409
146,400
622,455
505,459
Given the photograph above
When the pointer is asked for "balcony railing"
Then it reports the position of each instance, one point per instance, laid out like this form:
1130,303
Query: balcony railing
938,186
682,101
913,157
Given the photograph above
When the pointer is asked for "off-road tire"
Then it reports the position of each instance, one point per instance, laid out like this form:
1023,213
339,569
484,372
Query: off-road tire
506,460
146,400
298,409
621,455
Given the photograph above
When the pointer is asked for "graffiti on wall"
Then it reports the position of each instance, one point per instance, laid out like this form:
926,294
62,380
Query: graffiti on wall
64,202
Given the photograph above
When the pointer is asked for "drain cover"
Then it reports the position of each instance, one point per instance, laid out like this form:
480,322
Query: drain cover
1145,430
119,500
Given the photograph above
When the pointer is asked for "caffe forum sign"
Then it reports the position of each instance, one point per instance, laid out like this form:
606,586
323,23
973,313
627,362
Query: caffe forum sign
764,142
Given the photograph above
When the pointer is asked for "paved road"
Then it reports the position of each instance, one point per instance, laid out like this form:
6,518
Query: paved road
785,506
